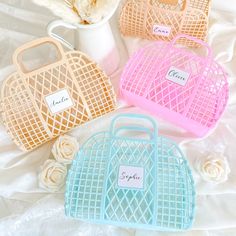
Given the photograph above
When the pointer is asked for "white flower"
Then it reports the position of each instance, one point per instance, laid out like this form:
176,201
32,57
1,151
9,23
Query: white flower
52,176
69,3
60,8
214,168
93,11
65,149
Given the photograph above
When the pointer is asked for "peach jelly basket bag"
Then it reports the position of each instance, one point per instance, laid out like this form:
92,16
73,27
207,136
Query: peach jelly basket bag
42,104
164,19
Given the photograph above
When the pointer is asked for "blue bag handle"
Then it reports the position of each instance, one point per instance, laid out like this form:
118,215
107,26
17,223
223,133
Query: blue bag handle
151,131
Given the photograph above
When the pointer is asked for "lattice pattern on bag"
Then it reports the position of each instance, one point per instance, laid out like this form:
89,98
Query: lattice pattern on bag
184,88
174,5
203,5
176,199
42,104
164,19
178,5
118,204
166,199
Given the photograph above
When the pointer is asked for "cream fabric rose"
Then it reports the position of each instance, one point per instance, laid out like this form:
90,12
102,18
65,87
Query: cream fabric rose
214,168
65,149
52,176
93,11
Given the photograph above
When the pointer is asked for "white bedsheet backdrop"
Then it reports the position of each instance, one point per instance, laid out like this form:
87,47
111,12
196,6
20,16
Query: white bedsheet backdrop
27,210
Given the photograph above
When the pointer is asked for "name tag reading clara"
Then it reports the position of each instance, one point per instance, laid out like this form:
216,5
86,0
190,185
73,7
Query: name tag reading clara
131,177
59,101
177,76
161,30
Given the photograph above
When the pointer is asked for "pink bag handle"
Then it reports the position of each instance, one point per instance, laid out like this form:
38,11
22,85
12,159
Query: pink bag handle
17,56
198,41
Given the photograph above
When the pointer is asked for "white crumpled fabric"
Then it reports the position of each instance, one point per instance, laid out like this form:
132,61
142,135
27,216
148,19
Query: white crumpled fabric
27,210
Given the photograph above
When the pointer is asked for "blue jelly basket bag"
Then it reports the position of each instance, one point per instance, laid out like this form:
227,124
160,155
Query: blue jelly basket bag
131,177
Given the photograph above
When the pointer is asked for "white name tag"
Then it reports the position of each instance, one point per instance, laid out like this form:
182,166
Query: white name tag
59,101
161,30
131,177
177,76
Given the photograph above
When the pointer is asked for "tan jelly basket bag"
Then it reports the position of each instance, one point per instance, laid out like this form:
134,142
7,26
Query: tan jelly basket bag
164,19
42,104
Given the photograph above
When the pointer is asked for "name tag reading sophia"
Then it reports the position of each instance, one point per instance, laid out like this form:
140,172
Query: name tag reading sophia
131,177
177,76
59,101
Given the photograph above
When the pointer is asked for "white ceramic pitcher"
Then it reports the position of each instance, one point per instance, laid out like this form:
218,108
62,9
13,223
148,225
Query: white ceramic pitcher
96,40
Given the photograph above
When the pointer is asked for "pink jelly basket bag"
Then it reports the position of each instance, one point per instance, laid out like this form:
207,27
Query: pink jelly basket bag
176,84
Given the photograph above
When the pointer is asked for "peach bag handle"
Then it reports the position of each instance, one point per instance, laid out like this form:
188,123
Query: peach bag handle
186,3
169,2
17,56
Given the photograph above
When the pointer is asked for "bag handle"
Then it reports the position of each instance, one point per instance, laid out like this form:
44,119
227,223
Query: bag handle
151,131
169,2
138,129
17,56
191,38
186,3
